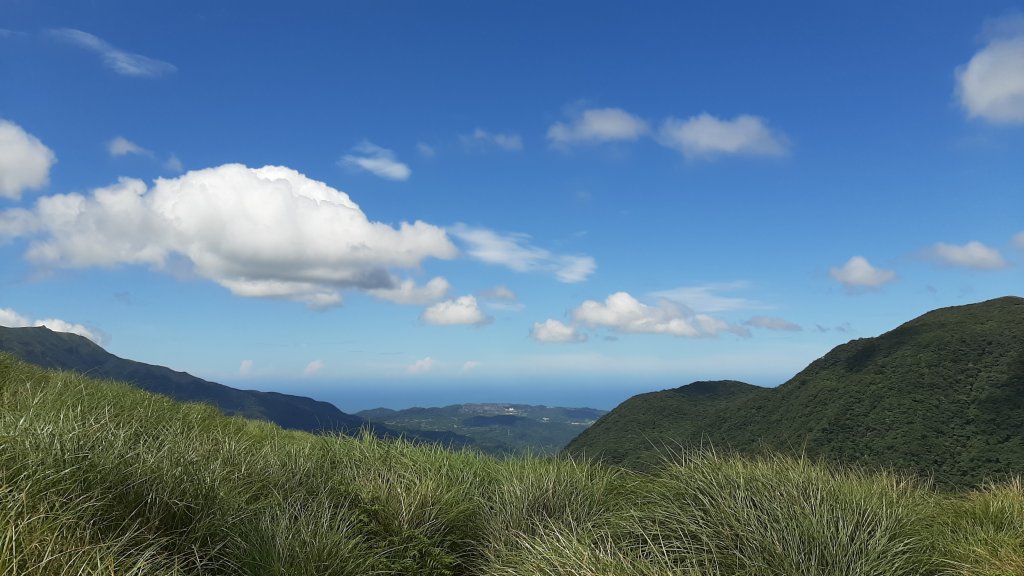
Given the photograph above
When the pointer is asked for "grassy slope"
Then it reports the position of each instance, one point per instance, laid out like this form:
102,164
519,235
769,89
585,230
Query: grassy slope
940,396
101,478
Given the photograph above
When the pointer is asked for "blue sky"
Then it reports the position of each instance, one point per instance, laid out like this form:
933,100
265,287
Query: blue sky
387,203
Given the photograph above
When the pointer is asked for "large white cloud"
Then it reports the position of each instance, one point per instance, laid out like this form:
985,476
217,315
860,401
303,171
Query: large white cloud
516,253
991,84
407,292
266,232
859,273
378,161
12,319
552,330
124,63
707,136
598,125
624,313
24,161
463,310
974,254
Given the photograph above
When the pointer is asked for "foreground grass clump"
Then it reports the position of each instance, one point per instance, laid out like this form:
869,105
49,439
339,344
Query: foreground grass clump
99,478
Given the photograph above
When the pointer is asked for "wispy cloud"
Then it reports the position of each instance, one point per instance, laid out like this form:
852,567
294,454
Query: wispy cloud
377,161
706,136
425,150
421,366
313,367
709,297
1018,240
597,125
859,273
991,85
515,252
124,63
25,162
122,146
974,254
773,323
481,137
245,368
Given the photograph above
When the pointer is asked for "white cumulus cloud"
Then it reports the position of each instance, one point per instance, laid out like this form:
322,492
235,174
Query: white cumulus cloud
773,323
991,85
481,137
421,366
859,273
597,125
122,146
462,310
377,161
974,254
24,161
622,312
706,136
552,330
12,319
265,232
514,251
407,292
124,63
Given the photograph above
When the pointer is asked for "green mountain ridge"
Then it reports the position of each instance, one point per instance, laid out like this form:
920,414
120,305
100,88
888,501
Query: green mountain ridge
49,349
941,396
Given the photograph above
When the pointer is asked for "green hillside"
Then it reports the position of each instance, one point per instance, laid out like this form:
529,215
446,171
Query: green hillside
941,396
494,428
99,478
43,347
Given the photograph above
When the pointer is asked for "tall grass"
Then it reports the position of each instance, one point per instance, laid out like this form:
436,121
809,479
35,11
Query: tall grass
99,478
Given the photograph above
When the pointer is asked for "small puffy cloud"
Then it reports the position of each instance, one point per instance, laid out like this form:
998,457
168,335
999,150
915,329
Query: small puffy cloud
481,137
407,292
773,323
1018,240
991,85
425,150
552,330
245,368
709,297
623,313
859,273
24,161
514,251
122,146
974,254
313,367
264,232
12,319
377,161
597,125
124,63
421,366
470,365
462,310
706,136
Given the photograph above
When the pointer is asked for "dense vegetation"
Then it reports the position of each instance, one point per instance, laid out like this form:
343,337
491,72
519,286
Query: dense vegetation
101,478
942,396
496,429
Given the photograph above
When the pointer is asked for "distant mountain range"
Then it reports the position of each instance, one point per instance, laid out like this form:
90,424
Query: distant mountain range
499,428
494,428
941,396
